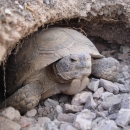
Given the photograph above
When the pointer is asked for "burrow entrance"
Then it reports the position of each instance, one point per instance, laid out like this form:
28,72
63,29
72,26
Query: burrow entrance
110,37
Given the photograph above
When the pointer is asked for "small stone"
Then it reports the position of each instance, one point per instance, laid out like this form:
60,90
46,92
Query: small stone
98,119
109,86
112,116
123,117
100,108
111,101
72,108
121,80
93,85
40,111
34,128
98,93
67,126
84,119
51,115
25,121
125,103
126,75
58,110
58,123
106,95
90,104
103,113
106,125
11,113
49,102
124,49
42,120
8,11
31,113
123,56
17,115
50,126
6,124
114,108
80,98
66,117
123,88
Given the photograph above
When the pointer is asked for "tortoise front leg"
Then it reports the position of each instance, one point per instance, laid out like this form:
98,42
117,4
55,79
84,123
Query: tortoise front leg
24,99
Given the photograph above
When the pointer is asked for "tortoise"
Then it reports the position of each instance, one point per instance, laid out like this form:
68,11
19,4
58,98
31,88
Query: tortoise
52,61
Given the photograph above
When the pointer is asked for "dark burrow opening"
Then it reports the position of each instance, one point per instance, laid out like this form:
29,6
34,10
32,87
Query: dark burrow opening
111,39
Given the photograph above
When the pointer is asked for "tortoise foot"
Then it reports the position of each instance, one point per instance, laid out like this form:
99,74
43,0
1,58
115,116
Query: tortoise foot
106,68
24,99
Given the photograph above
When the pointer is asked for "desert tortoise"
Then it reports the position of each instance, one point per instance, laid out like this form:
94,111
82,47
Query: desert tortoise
56,60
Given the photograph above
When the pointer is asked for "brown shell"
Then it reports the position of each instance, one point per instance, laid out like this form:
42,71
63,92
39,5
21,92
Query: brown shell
43,48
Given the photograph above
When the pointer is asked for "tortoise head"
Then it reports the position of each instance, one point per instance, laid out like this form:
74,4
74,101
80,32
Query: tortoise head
72,66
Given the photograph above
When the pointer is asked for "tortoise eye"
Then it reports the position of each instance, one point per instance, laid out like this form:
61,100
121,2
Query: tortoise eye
73,60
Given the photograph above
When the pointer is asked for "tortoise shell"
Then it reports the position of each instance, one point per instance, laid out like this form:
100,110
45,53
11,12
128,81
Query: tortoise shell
43,48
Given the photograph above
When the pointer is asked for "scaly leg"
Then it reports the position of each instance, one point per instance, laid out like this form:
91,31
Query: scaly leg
24,99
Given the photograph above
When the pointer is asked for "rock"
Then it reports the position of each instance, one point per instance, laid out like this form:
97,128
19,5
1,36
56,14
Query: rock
90,104
66,117
103,113
106,95
25,121
111,101
123,56
100,108
42,120
58,123
31,113
93,85
123,117
80,98
112,116
34,128
126,75
106,125
11,113
124,49
114,108
121,80
72,108
123,88
98,119
51,115
109,86
67,127
40,111
6,124
51,103
58,110
50,126
84,119
125,103
98,93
